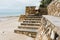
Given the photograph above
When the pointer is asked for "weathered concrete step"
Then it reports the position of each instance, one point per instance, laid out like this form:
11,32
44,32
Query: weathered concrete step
29,27
32,24
32,18
28,32
31,21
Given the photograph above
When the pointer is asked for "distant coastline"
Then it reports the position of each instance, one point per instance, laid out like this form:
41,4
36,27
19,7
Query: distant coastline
7,18
7,14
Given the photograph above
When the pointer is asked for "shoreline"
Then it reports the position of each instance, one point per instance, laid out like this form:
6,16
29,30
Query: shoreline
8,16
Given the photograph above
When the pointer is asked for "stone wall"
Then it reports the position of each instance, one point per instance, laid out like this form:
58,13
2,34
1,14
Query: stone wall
54,8
30,10
22,17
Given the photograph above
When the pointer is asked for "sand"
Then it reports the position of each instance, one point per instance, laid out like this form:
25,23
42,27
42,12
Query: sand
7,30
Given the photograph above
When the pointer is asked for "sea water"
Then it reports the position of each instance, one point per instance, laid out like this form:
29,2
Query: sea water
4,14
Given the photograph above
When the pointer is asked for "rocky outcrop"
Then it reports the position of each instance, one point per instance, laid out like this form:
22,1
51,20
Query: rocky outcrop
54,8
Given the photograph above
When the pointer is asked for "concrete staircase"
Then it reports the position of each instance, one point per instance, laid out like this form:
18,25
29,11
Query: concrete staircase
30,26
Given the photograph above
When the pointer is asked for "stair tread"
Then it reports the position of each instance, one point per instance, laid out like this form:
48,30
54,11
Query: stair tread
28,30
30,26
30,23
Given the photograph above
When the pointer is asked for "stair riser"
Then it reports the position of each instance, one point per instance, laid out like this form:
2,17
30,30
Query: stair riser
30,25
31,22
30,34
26,28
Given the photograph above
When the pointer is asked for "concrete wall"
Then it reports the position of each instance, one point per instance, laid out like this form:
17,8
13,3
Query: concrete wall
51,29
54,8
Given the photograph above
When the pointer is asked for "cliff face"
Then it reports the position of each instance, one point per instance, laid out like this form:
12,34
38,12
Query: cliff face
54,8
